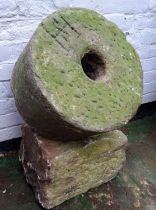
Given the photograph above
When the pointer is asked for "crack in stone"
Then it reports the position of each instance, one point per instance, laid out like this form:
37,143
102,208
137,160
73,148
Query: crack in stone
55,20
61,30
66,34
48,32
74,29
54,37
65,38
56,23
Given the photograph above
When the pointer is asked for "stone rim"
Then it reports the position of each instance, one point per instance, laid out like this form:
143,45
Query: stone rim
77,123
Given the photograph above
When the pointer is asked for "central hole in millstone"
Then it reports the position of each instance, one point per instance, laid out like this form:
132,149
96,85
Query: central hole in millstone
93,65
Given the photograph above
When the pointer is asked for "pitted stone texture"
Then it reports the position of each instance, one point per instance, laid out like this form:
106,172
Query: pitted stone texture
59,171
55,96
20,18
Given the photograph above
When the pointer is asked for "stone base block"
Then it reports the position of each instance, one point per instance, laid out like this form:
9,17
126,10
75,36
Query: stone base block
59,170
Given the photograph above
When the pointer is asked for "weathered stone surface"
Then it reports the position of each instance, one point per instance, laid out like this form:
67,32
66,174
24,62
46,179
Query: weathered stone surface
77,75
59,171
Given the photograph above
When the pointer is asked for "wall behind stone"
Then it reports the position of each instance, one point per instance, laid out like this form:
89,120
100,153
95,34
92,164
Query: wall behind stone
19,19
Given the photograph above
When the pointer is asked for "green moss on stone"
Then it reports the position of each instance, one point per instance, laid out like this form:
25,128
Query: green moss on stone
58,46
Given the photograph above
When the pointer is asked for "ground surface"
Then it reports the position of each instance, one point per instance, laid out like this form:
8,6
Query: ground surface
133,189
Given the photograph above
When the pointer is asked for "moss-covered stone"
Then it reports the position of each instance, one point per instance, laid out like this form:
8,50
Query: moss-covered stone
59,171
50,85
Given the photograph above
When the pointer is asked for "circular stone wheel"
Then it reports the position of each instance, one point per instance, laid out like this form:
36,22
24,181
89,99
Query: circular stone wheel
78,76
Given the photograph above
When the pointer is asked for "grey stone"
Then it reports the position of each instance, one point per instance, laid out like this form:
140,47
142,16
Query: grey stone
77,75
59,170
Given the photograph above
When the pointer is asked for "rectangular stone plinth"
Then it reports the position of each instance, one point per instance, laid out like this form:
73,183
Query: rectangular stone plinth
59,171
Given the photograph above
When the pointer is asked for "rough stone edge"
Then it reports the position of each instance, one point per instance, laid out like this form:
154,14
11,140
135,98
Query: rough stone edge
38,181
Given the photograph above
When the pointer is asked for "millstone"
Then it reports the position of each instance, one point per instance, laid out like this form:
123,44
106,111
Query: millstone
78,76
61,170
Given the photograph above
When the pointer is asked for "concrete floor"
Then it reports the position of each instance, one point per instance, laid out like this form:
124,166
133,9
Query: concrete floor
133,189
